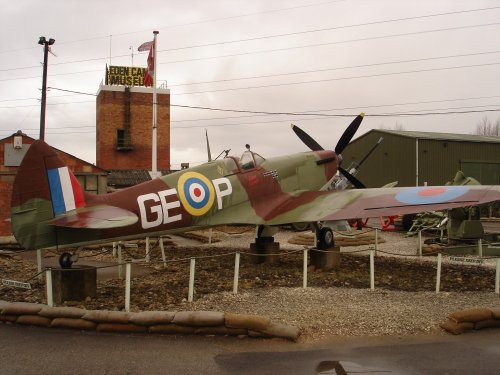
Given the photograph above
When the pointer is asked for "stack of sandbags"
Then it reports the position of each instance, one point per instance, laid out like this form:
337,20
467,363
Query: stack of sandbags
182,322
465,320
354,238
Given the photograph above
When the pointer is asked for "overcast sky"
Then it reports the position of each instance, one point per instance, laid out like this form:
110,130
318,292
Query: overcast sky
333,57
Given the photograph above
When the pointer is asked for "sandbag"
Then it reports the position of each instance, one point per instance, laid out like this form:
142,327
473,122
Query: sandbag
148,318
221,331
256,334
62,312
283,331
495,312
8,318
34,320
171,329
199,318
252,322
488,323
120,327
470,315
456,328
82,324
4,304
22,308
103,316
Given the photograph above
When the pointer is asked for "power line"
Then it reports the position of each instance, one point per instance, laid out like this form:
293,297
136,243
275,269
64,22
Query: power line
189,24
360,107
329,43
322,29
291,34
338,79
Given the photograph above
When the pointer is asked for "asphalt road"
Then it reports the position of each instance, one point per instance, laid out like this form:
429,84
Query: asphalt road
32,350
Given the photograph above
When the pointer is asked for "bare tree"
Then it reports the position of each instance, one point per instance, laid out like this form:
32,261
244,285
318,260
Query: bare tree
486,127
397,126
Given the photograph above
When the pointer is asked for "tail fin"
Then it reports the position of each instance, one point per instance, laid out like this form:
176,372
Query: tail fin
43,189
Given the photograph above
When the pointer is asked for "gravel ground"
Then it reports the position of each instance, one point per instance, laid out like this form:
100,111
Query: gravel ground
337,303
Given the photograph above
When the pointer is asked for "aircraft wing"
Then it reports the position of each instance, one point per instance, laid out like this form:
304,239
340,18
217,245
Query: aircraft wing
363,203
95,217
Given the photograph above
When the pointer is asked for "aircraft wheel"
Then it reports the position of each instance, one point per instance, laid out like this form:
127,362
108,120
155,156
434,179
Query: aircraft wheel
325,238
65,260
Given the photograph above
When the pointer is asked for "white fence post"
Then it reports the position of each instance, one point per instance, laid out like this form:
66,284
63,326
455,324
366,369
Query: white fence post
497,277
372,270
48,280
128,273
376,240
210,236
162,248
438,276
146,258
191,279
304,280
236,272
120,267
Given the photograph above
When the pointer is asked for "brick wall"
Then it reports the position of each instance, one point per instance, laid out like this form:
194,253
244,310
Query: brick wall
111,113
8,174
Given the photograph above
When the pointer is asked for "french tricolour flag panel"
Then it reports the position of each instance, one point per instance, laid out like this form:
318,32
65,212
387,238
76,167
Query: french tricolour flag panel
65,190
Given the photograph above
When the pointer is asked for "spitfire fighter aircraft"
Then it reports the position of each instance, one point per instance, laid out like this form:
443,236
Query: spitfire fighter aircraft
51,210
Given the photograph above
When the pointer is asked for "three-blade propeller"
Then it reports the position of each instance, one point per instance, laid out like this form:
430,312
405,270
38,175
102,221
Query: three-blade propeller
341,145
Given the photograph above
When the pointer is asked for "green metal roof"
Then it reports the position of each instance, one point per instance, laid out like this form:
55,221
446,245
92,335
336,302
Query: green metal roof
442,136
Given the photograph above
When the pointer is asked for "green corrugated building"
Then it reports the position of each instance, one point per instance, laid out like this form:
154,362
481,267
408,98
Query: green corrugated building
414,158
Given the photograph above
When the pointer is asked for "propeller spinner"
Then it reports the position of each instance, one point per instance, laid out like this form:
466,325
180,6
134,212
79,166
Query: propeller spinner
341,145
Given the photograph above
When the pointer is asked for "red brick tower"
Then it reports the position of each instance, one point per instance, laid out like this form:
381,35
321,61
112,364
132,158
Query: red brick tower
124,128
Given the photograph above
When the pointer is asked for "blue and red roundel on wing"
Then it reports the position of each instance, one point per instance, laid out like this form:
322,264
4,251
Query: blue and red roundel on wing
431,194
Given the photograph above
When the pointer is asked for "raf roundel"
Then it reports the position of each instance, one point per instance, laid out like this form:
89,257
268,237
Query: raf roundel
196,193
430,195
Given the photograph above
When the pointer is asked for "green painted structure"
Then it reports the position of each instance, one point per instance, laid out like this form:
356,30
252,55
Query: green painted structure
414,158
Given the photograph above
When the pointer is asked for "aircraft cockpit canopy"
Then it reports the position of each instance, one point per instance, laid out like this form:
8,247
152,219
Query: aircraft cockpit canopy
250,160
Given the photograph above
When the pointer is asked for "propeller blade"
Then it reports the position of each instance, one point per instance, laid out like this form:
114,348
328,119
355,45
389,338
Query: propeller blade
348,134
307,139
353,180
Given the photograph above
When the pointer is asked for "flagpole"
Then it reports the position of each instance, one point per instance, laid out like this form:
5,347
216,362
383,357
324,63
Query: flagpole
154,167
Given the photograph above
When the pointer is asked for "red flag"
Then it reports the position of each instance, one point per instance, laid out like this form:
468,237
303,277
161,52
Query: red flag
148,74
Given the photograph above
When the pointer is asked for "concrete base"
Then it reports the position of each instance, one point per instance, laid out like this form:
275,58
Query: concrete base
325,260
263,248
74,284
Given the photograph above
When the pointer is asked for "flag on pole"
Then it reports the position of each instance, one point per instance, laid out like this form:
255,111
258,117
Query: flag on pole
148,74
146,46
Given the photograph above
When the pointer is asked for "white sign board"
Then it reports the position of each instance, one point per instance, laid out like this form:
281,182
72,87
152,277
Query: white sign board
16,284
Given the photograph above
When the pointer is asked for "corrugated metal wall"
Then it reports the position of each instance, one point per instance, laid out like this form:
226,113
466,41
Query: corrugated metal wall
394,159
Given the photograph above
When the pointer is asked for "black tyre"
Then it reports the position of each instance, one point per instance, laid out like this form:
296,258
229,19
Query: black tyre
325,239
65,260
407,221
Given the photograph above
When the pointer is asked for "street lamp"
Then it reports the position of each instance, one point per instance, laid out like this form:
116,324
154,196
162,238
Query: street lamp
45,43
